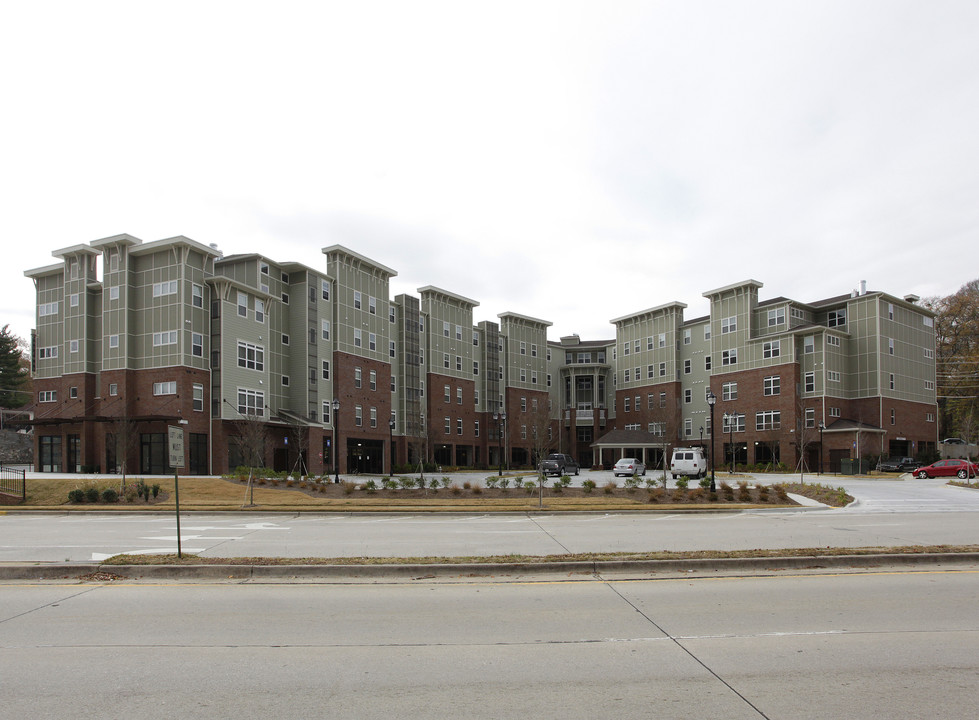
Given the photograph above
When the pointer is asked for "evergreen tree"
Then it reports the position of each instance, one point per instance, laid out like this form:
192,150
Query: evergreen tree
13,374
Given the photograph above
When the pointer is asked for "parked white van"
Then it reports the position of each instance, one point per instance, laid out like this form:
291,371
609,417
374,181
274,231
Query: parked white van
688,461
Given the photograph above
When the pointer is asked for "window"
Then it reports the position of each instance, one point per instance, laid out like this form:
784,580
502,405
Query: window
373,380
46,309
834,412
73,300
662,399
523,432
832,340
285,381
835,318
707,331
373,412
476,429
459,363
626,375
729,325
285,277
773,385
196,295
890,311
707,361
114,292
523,404
371,341
729,391
662,340
458,332
929,417
650,372
810,417
46,353
285,339
390,313
929,354
113,388
358,415
285,298
259,310
657,428
445,329
809,344
475,367
114,262
326,411
358,299
459,396
325,289
686,367
372,307
533,349
358,377
358,337
161,289
113,341
893,416
242,304
662,369
165,388
729,357
476,343
686,337
768,420
251,356
523,375
533,377
771,349
263,268
196,344
929,322
635,347
523,348
776,317
688,427
832,375
625,405
448,426
73,346
445,360
892,381
165,338
73,392
198,391
890,346
326,369
687,396
325,329
447,394
929,384
810,380
391,348
47,396
733,422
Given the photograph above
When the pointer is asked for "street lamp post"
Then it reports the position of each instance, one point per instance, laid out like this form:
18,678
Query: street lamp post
500,419
822,426
711,401
336,440
701,436
391,446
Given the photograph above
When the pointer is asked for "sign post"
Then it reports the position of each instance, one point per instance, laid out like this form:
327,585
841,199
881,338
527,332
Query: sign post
176,437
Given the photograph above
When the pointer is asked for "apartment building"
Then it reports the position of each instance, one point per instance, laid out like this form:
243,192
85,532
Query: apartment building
801,384
320,371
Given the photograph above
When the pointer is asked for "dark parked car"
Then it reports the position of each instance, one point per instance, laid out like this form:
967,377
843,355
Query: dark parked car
900,464
559,464
947,468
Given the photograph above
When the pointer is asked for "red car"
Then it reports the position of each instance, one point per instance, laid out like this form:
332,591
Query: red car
948,468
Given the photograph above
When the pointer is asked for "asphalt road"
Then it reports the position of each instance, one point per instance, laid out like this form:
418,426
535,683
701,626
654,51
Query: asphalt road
886,513
885,644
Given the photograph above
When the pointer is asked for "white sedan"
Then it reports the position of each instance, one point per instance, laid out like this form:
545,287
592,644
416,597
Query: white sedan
629,466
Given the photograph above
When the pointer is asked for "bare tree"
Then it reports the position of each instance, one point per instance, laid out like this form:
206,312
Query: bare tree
125,439
300,434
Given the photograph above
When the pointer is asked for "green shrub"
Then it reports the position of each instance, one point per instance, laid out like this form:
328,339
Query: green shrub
406,483
156,491
370,487
92,494
390,484
705,482
682,482
631,483
109,495
588,485
76,496
492,481
433,484
530,486
650,483
505,483
445,481
564,481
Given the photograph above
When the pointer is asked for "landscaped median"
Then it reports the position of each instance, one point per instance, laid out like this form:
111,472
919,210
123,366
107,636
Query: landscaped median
502,567
468,494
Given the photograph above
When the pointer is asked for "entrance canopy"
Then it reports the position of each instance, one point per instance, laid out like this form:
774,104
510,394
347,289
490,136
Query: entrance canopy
623,442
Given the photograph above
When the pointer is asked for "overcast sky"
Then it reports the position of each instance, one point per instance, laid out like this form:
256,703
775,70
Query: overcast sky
572,161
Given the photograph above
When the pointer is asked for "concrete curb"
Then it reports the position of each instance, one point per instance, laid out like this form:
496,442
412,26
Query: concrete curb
66,571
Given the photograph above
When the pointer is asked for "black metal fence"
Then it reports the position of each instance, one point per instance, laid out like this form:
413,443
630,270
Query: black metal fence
13,485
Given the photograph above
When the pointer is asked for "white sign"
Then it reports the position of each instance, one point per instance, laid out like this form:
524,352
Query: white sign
176,447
